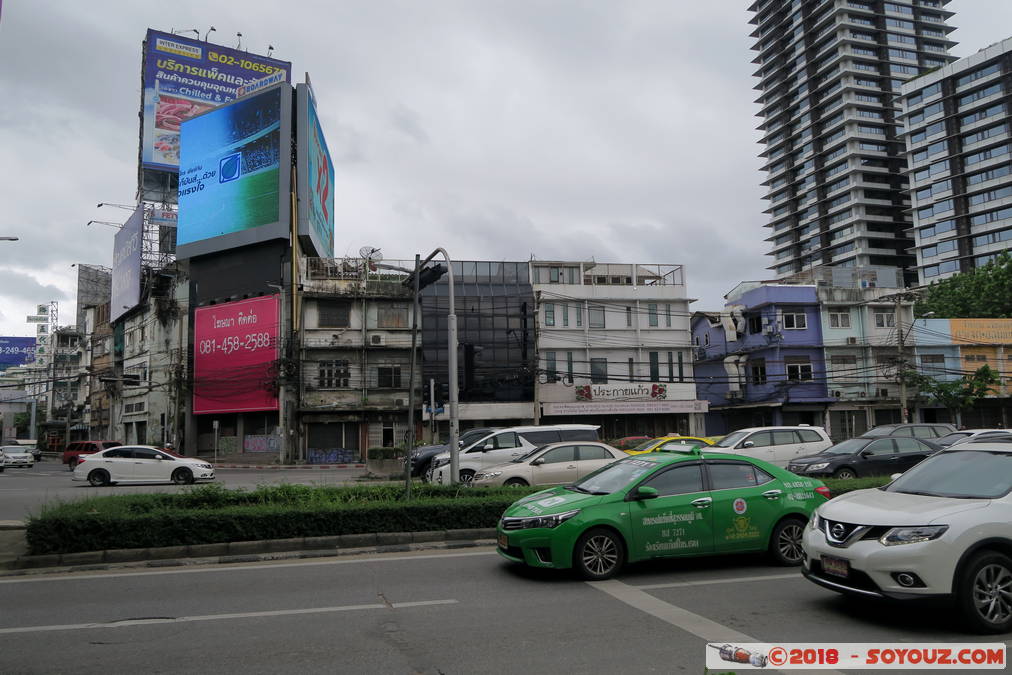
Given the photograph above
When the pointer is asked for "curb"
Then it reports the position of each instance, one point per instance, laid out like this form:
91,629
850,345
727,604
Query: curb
289,467
252,551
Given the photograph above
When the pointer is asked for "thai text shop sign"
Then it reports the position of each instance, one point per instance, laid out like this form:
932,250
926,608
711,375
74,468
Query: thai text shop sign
235,348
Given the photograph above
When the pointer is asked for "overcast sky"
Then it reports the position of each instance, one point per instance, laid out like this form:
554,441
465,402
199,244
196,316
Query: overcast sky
620,131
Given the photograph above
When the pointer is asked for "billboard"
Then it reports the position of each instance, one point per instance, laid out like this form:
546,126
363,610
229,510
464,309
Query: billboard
16,351
315,178
235,174
235,346
184,77
126,266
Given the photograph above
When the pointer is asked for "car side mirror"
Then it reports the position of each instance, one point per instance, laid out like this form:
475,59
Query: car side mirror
645,492
538,462
895,476
460,443
748,444
159,457
865,453
487,447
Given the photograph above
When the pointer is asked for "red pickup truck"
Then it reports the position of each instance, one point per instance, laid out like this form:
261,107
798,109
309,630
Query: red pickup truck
77,448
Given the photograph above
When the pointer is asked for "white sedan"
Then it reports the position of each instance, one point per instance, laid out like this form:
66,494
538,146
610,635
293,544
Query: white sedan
15,455
552,464
140,464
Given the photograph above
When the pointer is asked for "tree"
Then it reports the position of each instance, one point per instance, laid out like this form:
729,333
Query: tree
955,395
982,293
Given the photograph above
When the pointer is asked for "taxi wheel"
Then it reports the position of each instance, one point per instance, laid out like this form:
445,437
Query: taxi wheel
785,544
984,592
598,554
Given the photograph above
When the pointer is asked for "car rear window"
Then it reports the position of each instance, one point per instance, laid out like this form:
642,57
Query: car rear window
579,434
810,436
542,437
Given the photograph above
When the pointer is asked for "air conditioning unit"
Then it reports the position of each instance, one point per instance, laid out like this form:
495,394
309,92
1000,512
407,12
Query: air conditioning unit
400,402
852,340
838,394
377,340
883,393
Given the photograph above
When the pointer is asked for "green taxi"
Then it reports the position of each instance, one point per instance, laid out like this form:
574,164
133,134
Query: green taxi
660,504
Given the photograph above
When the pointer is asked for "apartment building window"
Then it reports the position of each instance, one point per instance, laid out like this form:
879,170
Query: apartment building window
795,322
579,314
839,319
333,374
550,368
333,313
655,366
885,320
976,357
933,359
799,368
755,325
599,371
652,315
840,360
632,370
595,316
549,313
565,314
388,377
392,316
628,316
757,371
671,365
569,366
667,315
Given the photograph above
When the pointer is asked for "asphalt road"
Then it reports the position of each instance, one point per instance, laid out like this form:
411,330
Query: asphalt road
448,612
23,491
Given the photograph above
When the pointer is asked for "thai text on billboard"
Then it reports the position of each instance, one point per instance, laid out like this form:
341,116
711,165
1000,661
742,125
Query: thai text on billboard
235,174
126,266
235,348
16,351
315,176
184,77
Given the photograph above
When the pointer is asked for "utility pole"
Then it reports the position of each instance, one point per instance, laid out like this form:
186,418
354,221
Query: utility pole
901,362
537,357
411,378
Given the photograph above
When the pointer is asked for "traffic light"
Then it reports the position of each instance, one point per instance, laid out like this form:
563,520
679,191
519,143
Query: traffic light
426,276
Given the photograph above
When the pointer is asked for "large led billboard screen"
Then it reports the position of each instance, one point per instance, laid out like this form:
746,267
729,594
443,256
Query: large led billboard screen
126,266
235,174
235,347
16,351
184,77
315,178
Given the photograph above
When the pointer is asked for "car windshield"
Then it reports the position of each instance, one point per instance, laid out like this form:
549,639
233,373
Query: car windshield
731,440
645,445
946,441
527,455
613,477
848,447
965,474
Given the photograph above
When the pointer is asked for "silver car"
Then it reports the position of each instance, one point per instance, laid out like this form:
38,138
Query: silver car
16,456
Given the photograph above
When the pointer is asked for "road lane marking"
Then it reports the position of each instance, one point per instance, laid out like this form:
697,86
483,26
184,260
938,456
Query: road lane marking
222,617
690,622
233,567
707,582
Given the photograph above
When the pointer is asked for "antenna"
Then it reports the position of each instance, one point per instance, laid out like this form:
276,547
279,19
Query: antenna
370,253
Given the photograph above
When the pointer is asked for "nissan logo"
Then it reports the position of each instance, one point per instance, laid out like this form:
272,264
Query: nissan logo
838,531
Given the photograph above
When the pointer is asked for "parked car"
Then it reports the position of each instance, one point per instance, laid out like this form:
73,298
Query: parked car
941,530
655,444
12,456
860,457
629,442
421,457
505,444
776,445
26,444
75,449
140,464
552,464
661,504
964,435
915,430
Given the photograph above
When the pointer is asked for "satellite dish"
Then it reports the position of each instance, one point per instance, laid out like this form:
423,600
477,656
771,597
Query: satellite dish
370,253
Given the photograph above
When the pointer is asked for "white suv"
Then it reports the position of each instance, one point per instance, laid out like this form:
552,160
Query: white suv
776,445
943,529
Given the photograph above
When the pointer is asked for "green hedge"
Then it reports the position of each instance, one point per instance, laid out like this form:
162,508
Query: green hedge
212,514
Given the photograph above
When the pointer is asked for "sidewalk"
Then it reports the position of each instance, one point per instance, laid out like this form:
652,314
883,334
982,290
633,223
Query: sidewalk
267,460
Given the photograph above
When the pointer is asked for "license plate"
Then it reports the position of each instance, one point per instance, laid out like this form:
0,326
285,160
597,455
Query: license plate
504,541
838,567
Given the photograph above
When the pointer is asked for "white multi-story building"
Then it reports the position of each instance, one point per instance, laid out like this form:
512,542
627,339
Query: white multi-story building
830,72
613,344
959,148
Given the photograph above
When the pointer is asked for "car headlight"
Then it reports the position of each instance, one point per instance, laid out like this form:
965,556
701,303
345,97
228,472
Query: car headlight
817,467
912,535
815,522
436,463
549,521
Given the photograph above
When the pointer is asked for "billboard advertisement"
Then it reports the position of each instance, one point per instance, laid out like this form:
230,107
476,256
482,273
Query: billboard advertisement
16,351
315,178
126,266
184,77
235,346
235,174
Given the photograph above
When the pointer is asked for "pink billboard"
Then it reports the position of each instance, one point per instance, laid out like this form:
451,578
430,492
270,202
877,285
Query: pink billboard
235,347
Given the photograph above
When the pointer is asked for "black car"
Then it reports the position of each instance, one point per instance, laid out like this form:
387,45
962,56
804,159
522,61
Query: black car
421,457
864,457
